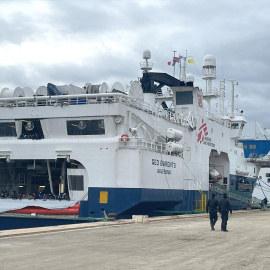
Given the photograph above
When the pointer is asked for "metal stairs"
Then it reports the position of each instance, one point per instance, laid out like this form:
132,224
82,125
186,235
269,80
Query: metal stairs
231,194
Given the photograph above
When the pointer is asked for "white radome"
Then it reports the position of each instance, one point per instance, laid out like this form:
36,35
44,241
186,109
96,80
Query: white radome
146,54
209,60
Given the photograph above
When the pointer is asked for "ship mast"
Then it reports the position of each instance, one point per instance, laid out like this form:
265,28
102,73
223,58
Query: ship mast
209,74
232,109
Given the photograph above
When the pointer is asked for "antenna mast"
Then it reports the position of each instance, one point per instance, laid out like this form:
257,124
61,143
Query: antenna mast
232,111
222,98
183,68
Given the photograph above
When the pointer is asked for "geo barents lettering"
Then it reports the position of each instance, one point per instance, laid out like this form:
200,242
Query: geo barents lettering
163,163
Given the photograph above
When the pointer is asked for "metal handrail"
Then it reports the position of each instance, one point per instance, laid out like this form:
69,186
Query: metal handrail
233,194
142,143
100,98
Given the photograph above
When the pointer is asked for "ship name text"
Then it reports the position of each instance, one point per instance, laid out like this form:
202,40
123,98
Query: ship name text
163,163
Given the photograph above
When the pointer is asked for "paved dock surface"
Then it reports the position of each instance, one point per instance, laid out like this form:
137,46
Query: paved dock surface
180,242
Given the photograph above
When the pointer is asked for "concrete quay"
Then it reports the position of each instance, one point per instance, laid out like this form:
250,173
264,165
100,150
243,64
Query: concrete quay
178,242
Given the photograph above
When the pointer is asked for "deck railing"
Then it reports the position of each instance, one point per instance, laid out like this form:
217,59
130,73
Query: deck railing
141,143
81,99
219,120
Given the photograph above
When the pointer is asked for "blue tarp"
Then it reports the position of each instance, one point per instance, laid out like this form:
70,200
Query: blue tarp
53,91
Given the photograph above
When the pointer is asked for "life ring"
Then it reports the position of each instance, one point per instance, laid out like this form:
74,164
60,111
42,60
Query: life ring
124,138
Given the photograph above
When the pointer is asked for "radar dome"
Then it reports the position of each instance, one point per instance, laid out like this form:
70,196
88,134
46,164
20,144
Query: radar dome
209,60
190,77
146,54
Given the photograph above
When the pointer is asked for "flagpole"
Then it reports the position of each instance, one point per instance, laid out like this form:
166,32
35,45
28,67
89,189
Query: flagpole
180,67
174,64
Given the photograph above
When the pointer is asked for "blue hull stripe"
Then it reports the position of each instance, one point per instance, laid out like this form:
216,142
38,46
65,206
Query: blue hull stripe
136,201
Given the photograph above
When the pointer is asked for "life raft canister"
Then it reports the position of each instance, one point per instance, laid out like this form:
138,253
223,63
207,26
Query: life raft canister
124,138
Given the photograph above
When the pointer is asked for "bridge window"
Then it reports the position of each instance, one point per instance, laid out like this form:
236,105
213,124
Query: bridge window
235,126
184,98
86,127
8,129
252,146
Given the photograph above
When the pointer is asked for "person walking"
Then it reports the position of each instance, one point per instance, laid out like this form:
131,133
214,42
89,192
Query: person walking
224,207
265,201
211,208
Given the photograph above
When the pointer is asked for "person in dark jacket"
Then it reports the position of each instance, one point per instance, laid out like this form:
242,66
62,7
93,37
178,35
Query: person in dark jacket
265,201
224,207
211,208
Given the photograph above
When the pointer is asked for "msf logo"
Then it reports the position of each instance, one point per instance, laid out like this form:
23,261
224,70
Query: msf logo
202,132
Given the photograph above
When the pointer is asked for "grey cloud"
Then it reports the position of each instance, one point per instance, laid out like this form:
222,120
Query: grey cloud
17,30
235,32
95,17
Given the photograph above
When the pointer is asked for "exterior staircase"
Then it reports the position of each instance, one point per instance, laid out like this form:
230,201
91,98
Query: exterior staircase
253,202
231,194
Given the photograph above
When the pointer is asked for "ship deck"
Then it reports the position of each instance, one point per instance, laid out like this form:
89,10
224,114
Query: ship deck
176,242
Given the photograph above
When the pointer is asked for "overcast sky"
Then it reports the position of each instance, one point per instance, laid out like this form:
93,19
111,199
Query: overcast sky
79,41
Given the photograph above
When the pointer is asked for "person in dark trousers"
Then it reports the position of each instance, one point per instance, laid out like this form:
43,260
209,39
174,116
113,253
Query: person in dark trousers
224,207
212,208
265,201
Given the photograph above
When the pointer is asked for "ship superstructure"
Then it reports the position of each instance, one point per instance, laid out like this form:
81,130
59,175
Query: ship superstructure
123,153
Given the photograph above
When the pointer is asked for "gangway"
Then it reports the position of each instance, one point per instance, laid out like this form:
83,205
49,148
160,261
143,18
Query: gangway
231,194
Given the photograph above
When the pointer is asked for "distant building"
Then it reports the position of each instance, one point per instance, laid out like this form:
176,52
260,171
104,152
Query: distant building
256,141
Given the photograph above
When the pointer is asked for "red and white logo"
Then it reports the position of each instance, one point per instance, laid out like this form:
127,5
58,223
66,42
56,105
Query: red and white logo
202,132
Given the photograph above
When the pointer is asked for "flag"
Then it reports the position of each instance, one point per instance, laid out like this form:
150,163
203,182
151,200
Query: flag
191,61
173,64
176,59
169,63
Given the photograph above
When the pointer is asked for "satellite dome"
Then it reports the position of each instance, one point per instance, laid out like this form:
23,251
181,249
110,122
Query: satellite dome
190,77
146,54
209,60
